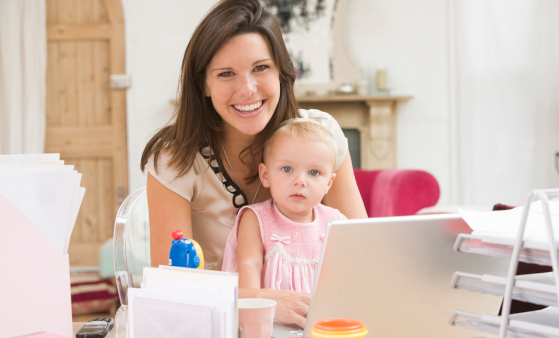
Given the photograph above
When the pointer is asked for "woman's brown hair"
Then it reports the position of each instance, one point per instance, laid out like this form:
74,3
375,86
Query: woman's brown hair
195,120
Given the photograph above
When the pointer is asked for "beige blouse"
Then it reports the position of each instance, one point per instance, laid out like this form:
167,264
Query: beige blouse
215,198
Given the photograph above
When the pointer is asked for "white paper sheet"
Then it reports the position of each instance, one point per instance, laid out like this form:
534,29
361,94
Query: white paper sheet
152,316
214,322
22,158
506,222
213,289
46,191
76,203
204,290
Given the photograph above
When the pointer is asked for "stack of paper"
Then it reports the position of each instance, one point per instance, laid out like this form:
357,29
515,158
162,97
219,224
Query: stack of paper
46,191
183,302
494,233
505,223
39,201
532,251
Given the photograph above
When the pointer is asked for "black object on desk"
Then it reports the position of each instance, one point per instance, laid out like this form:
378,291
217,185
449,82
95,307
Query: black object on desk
96,328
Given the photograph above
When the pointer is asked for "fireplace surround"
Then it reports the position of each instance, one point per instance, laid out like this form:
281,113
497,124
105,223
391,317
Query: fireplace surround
374,116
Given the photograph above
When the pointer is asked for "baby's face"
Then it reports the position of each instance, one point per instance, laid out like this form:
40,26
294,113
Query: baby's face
298,173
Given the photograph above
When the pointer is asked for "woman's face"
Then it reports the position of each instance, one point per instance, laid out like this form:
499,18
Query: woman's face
243,83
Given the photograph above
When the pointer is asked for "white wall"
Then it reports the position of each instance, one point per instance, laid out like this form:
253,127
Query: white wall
508,104
410,39
157,33
406,36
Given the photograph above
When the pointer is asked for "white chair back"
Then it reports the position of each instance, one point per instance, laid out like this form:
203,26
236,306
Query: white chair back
131,243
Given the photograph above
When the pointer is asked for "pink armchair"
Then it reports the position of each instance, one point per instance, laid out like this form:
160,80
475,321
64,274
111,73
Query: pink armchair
396,192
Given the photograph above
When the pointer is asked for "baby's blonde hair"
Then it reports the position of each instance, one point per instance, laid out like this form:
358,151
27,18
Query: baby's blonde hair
304,130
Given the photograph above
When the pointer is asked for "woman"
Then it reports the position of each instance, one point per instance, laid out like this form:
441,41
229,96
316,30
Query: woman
236,88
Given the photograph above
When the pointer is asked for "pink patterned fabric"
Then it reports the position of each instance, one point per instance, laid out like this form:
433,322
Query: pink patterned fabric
291,249
91,293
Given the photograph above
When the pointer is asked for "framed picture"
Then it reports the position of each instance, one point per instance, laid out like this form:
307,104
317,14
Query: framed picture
307,27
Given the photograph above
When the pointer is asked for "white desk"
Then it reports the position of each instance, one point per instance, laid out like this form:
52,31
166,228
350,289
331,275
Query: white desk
280,331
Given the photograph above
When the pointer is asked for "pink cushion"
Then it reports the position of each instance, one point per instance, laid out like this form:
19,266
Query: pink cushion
365,180
396,192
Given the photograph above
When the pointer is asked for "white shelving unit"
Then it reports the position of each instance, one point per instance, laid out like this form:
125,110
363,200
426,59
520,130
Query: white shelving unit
531,252
539,288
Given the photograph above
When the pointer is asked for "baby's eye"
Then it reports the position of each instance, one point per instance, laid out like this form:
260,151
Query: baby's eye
226,74
314,173
286,169
261,68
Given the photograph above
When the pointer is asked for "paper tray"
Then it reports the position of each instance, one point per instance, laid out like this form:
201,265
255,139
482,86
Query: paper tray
540,324
532,252
536,288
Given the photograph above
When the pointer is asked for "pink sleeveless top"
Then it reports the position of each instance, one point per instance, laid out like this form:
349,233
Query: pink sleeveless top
291,249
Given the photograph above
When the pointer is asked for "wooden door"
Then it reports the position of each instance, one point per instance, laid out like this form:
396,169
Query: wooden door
86,119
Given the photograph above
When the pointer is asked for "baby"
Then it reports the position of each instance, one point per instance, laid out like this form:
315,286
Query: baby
276,244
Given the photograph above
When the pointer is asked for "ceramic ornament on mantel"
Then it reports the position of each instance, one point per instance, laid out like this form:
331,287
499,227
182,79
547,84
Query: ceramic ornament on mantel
381,80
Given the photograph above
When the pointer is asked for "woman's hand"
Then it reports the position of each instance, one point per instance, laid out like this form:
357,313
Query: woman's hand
292,306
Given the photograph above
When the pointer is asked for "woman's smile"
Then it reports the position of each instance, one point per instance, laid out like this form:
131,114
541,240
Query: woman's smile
249,110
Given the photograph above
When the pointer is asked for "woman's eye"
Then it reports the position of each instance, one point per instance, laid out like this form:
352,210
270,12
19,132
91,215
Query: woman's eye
261,68
314,173
226,74
286,169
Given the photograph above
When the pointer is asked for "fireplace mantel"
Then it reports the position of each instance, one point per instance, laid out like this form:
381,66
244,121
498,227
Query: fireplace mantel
374,116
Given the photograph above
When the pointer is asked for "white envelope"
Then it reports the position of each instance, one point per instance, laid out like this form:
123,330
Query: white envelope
34,280
172,314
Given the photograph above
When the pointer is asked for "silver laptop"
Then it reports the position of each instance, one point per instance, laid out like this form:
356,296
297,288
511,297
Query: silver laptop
394,275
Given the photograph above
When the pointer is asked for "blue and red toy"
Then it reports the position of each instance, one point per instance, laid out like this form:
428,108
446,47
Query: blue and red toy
185,252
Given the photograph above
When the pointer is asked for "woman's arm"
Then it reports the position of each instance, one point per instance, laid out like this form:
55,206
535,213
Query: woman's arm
344,194
167,212
250,251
